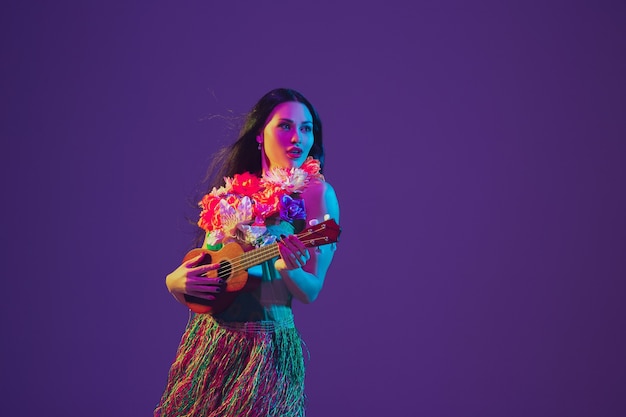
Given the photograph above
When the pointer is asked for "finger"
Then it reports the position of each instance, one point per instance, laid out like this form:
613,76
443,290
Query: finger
196,260
202,295
297,244
204,280
292,258
302,254
288,252
296,261
192,262
284,239
209,267
205,289
285,252
296,247
203,270
301,259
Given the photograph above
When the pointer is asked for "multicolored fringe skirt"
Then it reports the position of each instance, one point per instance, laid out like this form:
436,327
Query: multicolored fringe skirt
248,369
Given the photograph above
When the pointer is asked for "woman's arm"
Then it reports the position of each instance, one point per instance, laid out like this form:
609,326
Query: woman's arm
302,269
189,278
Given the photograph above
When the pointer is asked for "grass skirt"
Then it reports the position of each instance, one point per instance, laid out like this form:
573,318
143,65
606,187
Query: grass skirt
235,369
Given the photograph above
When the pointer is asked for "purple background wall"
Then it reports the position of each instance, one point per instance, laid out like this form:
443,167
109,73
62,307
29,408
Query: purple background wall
477,151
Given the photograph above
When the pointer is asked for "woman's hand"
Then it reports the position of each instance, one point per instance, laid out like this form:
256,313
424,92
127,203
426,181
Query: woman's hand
293,253
189,278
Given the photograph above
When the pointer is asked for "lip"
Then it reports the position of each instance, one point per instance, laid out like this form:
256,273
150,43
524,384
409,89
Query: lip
294,152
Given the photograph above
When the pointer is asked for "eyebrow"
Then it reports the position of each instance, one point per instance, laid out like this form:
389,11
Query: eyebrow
291,121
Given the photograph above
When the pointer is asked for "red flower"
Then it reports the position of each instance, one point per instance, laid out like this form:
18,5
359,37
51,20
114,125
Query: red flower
246,184
232,200
267,201
209,216
312,167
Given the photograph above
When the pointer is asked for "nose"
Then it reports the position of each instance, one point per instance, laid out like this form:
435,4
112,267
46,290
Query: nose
296,138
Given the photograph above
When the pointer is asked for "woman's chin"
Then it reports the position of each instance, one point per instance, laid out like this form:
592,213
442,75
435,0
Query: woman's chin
289,163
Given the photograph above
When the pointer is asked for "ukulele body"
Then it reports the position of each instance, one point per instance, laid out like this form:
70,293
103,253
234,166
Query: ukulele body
235,280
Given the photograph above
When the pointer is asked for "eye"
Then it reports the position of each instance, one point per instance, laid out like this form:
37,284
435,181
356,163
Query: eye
306,128
285,126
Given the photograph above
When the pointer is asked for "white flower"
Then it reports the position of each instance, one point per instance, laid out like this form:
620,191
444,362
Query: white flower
217,192
231,218
250,234
214,237
292,180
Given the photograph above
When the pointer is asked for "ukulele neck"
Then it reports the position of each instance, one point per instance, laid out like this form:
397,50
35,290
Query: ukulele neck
311,237
258,256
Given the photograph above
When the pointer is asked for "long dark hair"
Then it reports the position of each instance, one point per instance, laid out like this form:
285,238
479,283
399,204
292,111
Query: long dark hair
243,155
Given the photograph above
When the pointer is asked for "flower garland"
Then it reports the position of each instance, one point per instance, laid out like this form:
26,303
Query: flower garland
238,209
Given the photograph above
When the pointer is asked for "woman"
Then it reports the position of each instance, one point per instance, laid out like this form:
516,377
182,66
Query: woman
243,356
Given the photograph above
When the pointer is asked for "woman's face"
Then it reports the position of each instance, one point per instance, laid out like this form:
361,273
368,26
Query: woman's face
287,136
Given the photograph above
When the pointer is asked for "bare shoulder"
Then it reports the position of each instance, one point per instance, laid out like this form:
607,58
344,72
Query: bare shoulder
320,199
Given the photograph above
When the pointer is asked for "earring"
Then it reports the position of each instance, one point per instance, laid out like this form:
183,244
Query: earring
259,146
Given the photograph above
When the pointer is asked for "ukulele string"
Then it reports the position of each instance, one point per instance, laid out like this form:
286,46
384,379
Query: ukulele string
256,257
259,255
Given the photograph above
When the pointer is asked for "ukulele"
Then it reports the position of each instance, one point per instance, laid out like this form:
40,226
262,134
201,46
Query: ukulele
234,262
